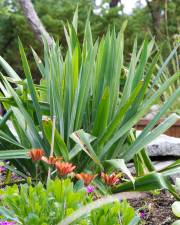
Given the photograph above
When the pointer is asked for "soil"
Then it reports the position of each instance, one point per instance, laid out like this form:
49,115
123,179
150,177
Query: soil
155,209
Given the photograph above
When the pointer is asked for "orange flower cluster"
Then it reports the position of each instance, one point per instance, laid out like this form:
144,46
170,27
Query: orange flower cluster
64,168
38,154
107,179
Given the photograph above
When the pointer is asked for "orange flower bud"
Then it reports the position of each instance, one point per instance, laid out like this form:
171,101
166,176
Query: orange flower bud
51,160
87,178
110,179
36,154
64,168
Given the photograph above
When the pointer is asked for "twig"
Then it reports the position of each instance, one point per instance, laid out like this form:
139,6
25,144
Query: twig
52,144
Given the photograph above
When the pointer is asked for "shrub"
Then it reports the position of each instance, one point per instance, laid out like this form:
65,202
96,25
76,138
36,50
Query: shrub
93,115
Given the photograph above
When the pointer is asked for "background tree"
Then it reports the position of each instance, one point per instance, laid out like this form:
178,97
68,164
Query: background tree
34,21
53,13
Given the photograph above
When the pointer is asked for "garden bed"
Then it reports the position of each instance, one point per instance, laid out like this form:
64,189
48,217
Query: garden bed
155,209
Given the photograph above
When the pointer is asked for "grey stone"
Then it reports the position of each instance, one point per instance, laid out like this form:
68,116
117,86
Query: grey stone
152,112
159,165
164,146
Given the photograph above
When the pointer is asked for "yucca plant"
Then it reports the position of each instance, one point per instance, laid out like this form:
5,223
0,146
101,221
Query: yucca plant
170,68
94,118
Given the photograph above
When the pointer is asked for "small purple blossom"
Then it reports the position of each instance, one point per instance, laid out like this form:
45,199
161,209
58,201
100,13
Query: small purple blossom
89,189
7,223
2,169
142,214
15,176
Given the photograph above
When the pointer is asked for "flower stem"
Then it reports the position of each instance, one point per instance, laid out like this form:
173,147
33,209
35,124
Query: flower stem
52,144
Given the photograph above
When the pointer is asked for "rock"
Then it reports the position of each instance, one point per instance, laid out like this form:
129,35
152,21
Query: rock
159,165
153,111
164,145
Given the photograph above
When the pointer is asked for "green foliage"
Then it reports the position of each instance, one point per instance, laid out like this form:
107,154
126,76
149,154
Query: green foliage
94,119
177,222
53,13
106,216
172,67
38,205
176,208
176,205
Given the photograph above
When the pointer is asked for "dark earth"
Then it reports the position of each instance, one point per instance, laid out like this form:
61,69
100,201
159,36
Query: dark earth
155,209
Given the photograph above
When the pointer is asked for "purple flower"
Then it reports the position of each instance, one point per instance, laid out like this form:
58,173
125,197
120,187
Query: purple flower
7,223
142,214
15,176
2,169
89,189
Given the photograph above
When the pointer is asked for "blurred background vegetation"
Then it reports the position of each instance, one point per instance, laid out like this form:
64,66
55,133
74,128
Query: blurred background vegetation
157,18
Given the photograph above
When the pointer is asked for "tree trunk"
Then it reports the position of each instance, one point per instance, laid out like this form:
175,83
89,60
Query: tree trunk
114,3
155,10
34,21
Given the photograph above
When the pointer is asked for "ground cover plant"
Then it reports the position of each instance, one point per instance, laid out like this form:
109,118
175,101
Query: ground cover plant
176,205
80,118
38,205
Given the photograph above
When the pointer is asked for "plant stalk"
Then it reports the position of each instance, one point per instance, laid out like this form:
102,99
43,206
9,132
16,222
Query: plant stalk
52,145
